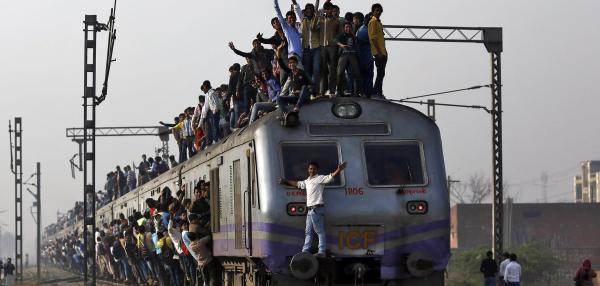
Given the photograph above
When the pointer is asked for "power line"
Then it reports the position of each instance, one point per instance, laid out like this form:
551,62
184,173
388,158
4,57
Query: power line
442,104
446,92
550,174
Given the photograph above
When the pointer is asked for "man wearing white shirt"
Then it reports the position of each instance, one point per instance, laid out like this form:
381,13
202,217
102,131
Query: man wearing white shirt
503,264
315,219
512,274
212,119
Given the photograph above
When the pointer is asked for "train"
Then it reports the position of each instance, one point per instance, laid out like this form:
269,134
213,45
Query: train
387,214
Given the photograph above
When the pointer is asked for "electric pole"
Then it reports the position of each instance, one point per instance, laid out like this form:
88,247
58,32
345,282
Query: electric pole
37,215
17,169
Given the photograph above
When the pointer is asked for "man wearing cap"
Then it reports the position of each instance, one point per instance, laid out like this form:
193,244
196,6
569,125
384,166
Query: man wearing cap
315,219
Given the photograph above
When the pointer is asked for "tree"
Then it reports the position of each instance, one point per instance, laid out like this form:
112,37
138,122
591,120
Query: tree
474,190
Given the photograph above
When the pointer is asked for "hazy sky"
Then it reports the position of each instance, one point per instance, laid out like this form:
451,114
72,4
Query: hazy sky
165,49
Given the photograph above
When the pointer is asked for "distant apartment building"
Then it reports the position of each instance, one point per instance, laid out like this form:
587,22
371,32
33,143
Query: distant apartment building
585,186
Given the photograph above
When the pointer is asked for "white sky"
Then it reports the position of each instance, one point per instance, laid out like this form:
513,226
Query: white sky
165,49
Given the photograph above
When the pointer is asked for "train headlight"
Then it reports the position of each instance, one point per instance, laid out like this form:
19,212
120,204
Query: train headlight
296,209
346,110
417,207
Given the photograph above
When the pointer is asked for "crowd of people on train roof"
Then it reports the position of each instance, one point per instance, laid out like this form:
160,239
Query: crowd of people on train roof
314,52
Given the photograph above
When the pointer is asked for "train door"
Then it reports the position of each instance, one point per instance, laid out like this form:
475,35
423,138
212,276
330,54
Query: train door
237,205
215,207
240,206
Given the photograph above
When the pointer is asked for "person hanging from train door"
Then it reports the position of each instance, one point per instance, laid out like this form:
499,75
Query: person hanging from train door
315,219
200,234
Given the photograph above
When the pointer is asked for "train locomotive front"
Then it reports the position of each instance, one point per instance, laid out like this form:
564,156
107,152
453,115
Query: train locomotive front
387,214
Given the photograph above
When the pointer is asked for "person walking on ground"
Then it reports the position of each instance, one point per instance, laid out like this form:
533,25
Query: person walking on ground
512,274
489,269
315,219
9,273
505,261
585,275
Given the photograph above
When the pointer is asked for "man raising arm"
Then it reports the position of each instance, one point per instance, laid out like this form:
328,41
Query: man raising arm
315,219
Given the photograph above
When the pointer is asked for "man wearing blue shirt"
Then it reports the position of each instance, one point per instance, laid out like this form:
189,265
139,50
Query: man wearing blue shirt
294,37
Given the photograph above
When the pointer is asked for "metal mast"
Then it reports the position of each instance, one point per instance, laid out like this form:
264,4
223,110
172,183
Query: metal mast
38,205
89,147
90,101
17,169
491,37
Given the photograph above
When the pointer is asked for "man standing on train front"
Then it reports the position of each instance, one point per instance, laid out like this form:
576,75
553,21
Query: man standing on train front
315,219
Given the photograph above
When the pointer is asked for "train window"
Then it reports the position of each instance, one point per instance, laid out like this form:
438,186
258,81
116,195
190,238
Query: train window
394,163
296,157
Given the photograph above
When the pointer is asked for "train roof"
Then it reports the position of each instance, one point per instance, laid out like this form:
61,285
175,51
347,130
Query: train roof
271,119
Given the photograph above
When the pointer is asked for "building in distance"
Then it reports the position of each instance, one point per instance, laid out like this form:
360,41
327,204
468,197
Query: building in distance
585,186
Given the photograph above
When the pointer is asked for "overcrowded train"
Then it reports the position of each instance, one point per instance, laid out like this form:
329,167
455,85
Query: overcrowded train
387,214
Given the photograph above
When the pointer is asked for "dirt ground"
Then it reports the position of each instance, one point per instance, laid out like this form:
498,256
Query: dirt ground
53,276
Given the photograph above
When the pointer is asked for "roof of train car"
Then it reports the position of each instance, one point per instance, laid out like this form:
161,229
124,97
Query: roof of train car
243,135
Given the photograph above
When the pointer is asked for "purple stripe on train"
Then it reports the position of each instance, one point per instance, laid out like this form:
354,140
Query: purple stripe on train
276,253
295,232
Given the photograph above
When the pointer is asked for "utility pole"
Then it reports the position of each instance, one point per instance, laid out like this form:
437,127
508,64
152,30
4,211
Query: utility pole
90,102
17,170
38,205
37,215
39,222
544,179
449,183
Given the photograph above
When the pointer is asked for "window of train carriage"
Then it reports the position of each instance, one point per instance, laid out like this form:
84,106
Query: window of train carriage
297,155
394,163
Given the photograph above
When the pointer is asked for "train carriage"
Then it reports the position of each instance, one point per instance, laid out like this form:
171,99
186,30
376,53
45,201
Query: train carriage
387,214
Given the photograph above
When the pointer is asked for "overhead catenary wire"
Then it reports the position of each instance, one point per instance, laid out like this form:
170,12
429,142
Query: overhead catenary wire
446,92
442,104
408,99
550,174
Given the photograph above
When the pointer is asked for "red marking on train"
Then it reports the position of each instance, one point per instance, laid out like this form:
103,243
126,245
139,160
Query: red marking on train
412,191
352,191
296,193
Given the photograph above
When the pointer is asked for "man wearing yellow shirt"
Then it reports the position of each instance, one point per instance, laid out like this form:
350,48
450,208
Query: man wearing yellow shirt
377,39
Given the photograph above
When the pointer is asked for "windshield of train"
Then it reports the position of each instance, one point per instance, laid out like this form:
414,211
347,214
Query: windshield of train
394,163
296,157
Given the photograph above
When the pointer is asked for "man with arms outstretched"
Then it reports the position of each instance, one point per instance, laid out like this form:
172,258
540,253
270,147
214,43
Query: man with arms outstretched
315,219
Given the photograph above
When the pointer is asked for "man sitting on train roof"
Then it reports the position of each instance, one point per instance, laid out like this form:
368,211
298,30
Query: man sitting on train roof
315,219
296,88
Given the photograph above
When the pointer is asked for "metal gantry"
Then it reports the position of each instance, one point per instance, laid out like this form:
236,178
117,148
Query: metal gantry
76,135
17,169
491,37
